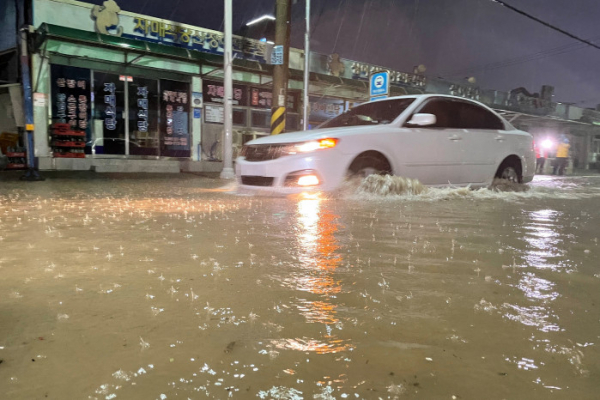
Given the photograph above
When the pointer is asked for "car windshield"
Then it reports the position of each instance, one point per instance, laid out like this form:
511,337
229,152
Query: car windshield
376,113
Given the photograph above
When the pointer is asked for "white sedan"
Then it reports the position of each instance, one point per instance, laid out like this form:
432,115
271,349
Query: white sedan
439,140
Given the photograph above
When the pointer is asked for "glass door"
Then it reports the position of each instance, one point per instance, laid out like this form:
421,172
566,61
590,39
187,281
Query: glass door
108,121
143,98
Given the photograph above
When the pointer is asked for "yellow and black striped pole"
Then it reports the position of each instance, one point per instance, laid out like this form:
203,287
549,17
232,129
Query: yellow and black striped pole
280,69
277,120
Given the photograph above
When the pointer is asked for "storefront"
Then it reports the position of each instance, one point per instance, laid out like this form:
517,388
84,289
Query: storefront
132,96
124,115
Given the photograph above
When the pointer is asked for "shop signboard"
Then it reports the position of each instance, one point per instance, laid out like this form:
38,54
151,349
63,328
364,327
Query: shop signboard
142,109
214,114
323,109
263,98
70,96
468,91
336,66
174,127
214,92
110,19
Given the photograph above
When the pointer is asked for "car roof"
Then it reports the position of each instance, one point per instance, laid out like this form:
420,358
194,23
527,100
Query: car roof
432,95
424,96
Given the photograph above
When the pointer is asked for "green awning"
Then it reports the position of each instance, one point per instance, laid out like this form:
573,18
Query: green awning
48,31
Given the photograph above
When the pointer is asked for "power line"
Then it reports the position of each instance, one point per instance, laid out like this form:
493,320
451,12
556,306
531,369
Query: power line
531,57
547,24
521,59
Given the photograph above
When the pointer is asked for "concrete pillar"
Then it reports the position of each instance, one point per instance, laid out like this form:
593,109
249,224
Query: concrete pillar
40,73
196,122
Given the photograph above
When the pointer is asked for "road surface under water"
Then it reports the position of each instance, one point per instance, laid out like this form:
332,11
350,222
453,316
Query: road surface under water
171,288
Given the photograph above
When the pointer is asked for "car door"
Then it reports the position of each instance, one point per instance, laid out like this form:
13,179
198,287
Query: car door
433,154
484,140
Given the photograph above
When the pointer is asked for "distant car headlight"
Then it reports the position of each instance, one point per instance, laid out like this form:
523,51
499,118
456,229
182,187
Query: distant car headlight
313,145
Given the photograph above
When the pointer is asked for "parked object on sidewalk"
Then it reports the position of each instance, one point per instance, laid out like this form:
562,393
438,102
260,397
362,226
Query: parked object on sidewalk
3,161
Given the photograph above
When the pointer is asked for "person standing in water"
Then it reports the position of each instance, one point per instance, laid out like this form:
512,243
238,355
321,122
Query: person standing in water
562,155
540,157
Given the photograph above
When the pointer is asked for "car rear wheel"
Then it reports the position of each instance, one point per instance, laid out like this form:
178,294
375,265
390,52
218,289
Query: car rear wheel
369,164
510,170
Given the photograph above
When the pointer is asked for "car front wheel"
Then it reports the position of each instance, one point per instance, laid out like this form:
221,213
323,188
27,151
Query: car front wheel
369,164
510,171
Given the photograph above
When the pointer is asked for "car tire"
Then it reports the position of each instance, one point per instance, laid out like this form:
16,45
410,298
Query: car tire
369,164
510,170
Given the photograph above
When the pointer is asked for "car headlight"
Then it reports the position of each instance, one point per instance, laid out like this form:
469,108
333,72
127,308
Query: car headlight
313,145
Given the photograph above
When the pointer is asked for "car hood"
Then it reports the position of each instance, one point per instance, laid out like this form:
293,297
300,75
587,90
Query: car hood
302,136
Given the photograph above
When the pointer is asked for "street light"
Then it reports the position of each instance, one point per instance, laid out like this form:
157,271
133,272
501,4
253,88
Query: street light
227,172
306,66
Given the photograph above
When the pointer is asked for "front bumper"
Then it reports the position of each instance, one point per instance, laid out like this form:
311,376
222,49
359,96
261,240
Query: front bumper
331,171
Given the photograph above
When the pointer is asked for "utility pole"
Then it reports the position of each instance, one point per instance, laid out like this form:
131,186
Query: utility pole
227,172
31,174
306,104
280,71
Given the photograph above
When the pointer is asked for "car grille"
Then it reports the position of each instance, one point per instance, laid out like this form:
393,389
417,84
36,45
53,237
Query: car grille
264,152
257,180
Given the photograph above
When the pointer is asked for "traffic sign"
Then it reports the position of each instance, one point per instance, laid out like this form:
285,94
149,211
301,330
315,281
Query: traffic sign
379,84
277,55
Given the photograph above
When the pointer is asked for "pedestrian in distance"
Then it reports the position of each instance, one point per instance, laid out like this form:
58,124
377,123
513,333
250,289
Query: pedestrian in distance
562,155
540,158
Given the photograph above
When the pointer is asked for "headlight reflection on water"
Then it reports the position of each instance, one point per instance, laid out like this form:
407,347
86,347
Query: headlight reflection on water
318,257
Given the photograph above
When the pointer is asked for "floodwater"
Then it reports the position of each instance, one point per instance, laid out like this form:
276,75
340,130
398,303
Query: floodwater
171,288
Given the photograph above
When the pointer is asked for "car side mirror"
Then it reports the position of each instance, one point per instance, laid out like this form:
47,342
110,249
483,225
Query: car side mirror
422,120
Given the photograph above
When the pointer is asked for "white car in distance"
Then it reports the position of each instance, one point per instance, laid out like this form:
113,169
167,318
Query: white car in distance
439,140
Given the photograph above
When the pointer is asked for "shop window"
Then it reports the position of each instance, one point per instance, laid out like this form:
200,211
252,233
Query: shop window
71,96
70,100
261,119
214,114
143,116
174,119
239,117
108,121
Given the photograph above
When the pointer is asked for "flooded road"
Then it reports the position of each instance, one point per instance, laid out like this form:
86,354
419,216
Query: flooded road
171,288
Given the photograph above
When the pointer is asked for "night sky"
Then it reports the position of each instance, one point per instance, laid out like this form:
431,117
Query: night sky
454,39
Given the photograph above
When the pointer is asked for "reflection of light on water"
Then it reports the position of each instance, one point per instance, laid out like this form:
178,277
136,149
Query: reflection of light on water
318,311
542,238
318,258
308,216
535,316
280,392
524,363
537,288
543,241
317,346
